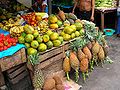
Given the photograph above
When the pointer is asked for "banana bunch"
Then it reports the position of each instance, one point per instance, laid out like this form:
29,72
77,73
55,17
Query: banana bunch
16,31
42,27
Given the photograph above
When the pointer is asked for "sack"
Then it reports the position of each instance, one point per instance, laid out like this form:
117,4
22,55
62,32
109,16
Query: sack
118,11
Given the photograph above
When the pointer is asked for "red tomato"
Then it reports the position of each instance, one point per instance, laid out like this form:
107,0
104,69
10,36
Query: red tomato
1,35
9,45
1,44
5,47
1,48
1,39
14,44
32,23
5,43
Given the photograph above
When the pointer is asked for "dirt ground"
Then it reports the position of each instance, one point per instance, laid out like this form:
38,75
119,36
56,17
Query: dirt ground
108,77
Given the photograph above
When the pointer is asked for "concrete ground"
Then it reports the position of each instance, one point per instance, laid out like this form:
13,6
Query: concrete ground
108,77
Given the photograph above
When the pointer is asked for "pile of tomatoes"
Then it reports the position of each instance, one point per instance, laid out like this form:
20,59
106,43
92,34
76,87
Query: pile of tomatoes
30,19
6,42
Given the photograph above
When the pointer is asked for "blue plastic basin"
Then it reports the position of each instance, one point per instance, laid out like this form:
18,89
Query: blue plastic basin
109,32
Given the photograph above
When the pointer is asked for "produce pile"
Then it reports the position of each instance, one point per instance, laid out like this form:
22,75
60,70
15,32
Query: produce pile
85,52
106,3
88,46
39,34
6,42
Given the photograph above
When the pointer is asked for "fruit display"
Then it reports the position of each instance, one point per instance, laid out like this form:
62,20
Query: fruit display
72,31
16,31
87,46
105,3
35,42
6,42
52,20
42,27
86,51
11,22
31,19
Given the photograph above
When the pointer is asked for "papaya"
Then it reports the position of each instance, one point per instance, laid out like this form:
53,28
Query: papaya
61,14
52,19
53,26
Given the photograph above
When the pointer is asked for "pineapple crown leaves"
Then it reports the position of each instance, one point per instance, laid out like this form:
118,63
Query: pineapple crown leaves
100,37
67,53
34,58
78,43
90,30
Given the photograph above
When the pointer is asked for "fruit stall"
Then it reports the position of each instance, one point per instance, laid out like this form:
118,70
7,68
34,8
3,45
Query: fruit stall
47,48
106,7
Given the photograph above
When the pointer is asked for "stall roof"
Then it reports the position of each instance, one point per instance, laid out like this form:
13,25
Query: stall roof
27,3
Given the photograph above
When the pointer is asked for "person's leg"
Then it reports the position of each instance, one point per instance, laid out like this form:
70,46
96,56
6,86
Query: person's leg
118,27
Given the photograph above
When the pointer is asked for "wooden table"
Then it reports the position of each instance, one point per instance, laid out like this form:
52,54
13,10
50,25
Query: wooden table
102,12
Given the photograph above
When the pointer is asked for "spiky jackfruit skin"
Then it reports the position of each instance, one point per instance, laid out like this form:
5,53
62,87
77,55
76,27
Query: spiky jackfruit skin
74,62
66,64
84,65
38,79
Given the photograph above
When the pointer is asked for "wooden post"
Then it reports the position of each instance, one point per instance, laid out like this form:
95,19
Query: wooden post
49,7
102,21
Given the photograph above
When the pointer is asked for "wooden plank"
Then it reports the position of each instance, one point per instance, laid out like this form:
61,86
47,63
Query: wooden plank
56,66
17,72
50,54
19,77
50,61
2,82
14,68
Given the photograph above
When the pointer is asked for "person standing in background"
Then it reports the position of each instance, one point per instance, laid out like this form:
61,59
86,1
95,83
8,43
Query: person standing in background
118,16
84,9
39,6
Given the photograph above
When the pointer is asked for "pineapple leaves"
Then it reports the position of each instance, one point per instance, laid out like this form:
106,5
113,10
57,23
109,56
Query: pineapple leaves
34,59
78,43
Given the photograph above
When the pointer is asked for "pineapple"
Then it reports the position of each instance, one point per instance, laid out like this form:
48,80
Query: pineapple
101,55
95,50
74,62
38,79
84,67
87,52
80,54
66,66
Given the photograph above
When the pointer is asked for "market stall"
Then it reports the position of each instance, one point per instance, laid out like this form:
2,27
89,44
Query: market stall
105,7
102,13
54,46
